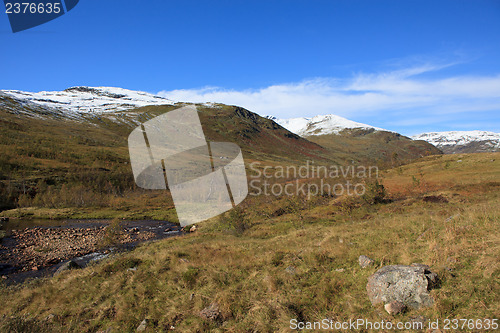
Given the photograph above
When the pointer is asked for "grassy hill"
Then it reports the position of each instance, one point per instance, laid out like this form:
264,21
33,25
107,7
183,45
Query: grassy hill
369,146
55,164
275,259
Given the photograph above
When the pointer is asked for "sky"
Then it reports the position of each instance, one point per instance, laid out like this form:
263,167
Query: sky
407,66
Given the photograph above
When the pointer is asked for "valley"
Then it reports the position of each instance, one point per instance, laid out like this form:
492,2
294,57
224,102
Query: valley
274,258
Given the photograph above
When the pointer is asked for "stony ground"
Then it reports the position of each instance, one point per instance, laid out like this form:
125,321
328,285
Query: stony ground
37,248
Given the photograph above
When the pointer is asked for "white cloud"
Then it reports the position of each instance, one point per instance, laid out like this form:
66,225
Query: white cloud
405,94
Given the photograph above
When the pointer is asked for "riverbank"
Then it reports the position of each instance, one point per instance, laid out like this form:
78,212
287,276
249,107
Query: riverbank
39,250
159,212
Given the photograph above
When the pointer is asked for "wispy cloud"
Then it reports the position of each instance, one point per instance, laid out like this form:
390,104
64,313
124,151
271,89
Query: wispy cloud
399,97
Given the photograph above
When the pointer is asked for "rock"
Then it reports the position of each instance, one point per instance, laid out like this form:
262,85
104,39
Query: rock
394,307
67,266
192,229
364,261
211,312
291,270
50,317
432,277
142,326
340,270
408,285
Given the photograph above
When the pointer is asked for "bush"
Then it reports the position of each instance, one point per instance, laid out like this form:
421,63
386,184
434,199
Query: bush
375,193
112,234
234,221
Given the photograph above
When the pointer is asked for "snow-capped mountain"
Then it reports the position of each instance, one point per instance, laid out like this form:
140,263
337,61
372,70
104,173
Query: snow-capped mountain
90,99
462,141
321,125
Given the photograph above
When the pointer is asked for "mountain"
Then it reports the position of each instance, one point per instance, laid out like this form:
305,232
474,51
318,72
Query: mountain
87,152
101,115
357,141
462,141
90,99
69,148
116,111
321,125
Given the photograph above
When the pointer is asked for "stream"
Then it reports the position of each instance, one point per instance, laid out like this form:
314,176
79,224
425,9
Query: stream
31,247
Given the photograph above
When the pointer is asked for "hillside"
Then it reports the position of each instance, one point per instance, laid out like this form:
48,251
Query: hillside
274,260
360,143
462,141
374,146
45,147
47,142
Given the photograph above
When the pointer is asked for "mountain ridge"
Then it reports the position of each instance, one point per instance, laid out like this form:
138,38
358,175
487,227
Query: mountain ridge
321,125
82,102
85,99
452,142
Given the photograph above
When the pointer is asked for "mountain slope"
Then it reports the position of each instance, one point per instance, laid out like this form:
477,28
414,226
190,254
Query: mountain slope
88,151
462,141
373,146
357,142
321,125
90,99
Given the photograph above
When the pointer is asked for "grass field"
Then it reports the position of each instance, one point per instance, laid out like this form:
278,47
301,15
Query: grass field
276,259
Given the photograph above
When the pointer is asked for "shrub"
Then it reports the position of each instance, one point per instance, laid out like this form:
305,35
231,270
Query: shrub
375,193
112,234
234,221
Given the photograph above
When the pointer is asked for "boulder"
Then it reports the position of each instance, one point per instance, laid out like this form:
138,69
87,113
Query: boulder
364,261
408,285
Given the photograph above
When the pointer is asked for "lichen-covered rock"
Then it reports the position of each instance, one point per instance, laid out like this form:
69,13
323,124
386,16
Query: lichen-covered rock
408,285
364,261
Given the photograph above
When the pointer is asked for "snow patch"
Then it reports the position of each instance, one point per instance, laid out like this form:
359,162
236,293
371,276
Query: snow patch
321,125
460,138
91,99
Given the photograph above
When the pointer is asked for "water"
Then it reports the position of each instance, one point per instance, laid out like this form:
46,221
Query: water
11,273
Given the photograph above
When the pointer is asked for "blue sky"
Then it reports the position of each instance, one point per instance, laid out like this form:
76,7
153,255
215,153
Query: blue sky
408,66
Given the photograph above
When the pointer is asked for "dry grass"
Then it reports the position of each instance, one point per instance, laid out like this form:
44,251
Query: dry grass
289,264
